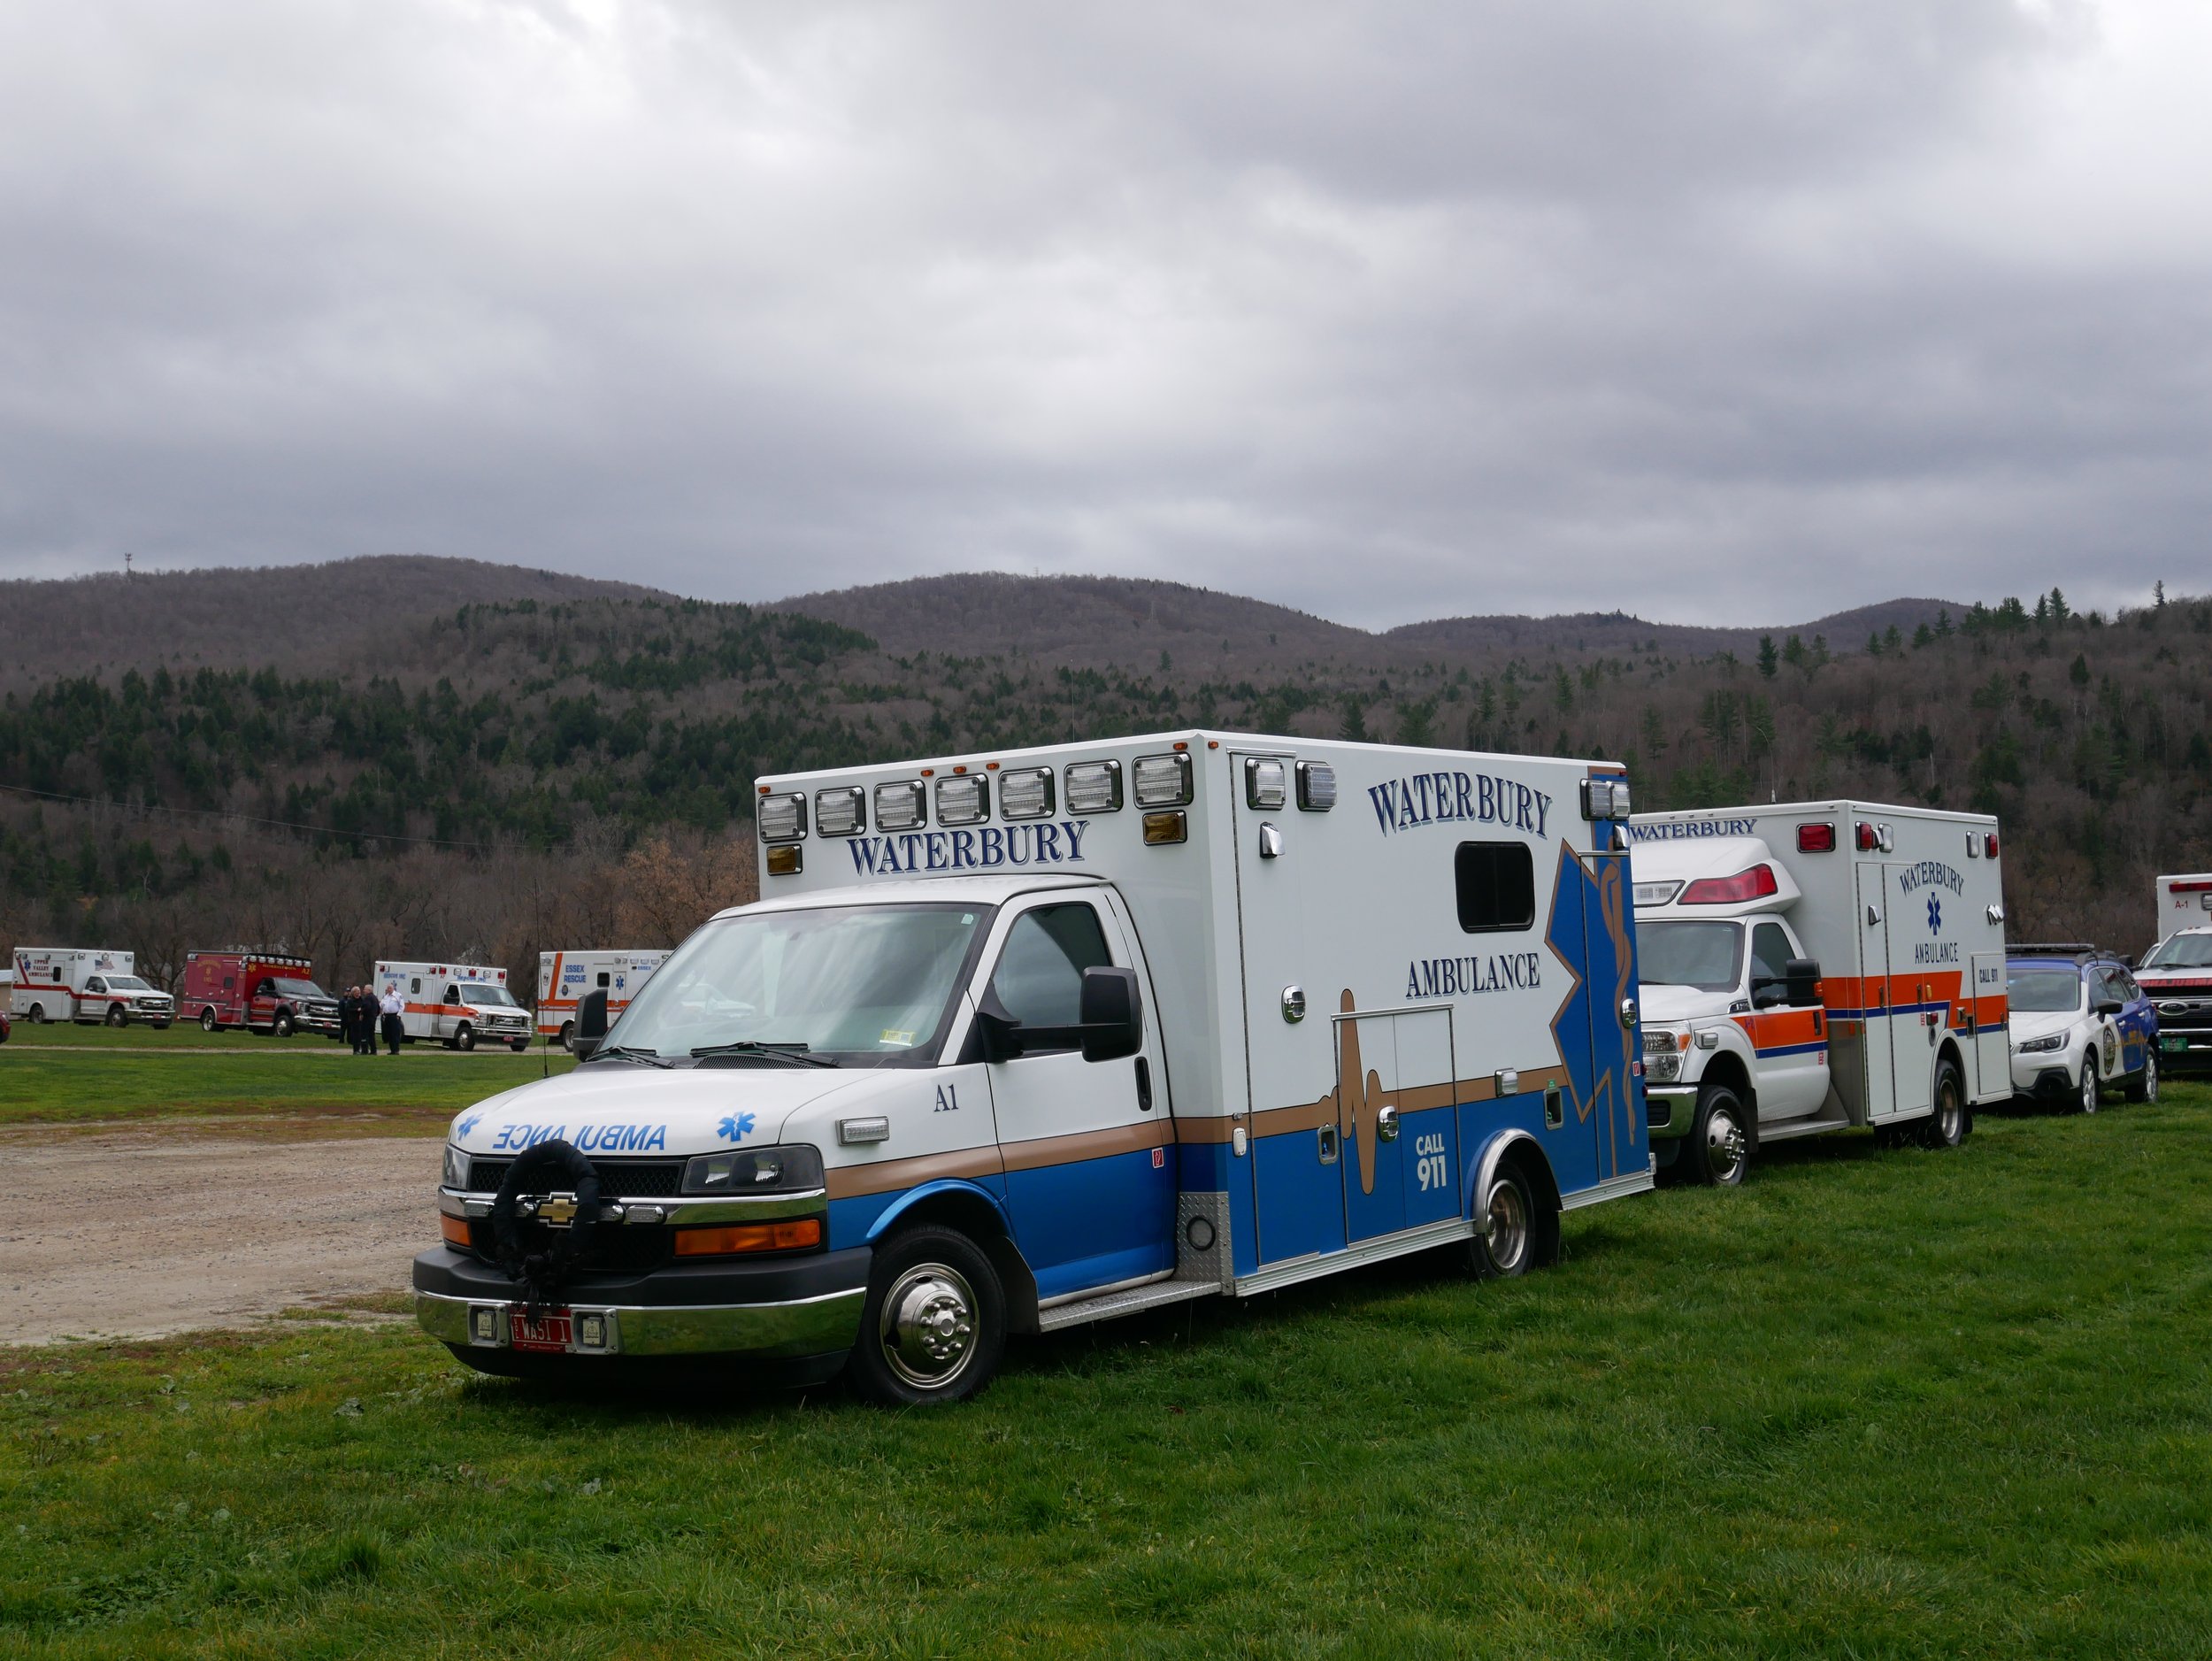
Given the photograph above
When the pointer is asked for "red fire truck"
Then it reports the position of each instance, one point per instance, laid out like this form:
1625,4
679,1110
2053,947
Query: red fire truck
264,992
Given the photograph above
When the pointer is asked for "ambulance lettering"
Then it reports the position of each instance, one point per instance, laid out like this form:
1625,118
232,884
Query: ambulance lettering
1431,1163
1678,830
1457,798
1432,978
515,1138
622,1138
991,847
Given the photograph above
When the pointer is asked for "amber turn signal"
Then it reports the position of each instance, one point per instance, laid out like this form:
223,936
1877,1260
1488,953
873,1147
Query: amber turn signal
456,1229
722,1242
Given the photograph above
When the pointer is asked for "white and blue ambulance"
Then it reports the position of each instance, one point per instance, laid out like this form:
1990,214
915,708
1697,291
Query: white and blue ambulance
1019,1039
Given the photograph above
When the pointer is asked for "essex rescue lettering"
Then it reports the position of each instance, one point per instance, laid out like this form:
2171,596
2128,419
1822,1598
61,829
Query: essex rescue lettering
991,847
1448,799
1428,977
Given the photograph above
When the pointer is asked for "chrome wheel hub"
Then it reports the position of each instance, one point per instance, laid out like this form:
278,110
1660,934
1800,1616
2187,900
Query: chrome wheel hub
1509,1227
2088,1087
2150,1078
928,1328
1724,1147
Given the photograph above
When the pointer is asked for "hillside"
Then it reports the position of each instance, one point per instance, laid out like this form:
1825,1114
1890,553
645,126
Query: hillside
511,774
298,616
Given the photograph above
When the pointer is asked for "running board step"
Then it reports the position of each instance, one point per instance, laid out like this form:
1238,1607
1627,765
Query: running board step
1110,1304
1800,1127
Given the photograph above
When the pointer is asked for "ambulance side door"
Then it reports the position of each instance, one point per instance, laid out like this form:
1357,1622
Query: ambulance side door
1090,1182
1791,1045
1875,1044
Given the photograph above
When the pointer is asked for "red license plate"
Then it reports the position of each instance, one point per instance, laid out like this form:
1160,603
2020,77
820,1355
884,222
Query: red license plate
553,1330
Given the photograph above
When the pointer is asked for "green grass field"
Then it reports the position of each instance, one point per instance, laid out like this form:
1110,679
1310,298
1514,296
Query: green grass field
1899,1403
128,1078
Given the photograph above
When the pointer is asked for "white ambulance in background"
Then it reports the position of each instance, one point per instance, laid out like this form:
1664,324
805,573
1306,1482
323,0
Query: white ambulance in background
59,983
1020,1039
2184,901
459,1005
563,977
1814,966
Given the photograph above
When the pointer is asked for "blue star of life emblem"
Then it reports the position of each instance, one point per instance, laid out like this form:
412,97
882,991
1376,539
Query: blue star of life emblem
1935,914
467,1125
736,1127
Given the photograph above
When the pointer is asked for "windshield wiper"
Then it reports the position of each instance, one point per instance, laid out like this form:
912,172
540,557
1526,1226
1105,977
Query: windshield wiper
794,1053
631,1052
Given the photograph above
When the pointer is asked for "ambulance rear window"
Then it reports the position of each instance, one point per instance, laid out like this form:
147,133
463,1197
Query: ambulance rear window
1497,887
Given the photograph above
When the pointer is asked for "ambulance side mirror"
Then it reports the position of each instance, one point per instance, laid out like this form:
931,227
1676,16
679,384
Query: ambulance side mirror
1113,1014
591,1025
1801,975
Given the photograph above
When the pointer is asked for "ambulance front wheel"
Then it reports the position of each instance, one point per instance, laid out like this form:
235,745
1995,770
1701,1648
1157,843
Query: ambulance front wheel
117,1016
1717,1152
283,1027
934,1328
465,1037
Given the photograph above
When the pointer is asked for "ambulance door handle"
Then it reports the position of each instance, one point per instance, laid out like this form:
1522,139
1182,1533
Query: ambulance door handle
1328,1143
1144,1085
1385,1124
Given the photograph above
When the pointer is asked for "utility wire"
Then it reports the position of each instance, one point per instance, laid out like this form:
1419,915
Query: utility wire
246,819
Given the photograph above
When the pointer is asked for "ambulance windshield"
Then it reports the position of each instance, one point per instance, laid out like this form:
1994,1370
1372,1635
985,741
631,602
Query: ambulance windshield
490,995
126,983
867,985
1705,956
2181,951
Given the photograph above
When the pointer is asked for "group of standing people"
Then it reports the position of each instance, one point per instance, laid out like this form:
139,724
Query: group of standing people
360,1011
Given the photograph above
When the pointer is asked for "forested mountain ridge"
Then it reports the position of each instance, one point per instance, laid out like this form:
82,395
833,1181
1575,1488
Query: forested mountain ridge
488,782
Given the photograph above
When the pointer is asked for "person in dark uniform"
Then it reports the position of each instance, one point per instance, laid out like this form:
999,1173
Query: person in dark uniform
349,1012
359,1011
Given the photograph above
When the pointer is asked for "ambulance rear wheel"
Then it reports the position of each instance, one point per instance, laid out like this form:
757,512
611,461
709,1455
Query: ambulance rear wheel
38,1015
1524,1231
208,1023
568,1035
1717,1153
116,1017
934,1328
1948,1124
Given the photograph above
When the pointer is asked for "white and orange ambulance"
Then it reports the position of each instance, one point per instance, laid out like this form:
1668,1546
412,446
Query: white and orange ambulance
565,977
1814,966
459,1005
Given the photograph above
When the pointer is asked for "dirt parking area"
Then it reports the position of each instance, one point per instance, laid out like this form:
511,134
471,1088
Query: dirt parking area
138,1233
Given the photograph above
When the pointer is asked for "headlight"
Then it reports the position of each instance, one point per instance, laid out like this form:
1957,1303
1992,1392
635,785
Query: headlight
2034,1046
755,1171
457,1167
1660,1040
1663,1068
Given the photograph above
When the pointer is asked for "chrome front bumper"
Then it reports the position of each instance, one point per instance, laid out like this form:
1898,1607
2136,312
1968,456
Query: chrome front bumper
803,1327
1668,1110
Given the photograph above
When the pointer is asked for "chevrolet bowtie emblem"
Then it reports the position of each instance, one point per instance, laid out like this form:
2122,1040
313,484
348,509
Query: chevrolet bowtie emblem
559,1211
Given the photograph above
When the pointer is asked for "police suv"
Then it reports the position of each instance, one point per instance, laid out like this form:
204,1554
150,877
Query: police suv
2080,1025
1017,1040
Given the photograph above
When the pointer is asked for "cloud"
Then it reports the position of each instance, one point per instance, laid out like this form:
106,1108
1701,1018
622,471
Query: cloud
1738,309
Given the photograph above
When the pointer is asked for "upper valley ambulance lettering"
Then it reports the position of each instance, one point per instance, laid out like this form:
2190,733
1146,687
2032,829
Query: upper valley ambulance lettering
1678,830
1456,798
989,848
1464,976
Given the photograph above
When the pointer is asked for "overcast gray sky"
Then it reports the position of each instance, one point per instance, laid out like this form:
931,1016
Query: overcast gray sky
1721,309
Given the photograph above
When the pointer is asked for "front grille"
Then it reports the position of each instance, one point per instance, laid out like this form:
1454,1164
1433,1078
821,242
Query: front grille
614,1249
618,1179
1657,1109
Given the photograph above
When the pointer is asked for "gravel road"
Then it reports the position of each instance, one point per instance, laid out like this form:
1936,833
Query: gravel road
140,1235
